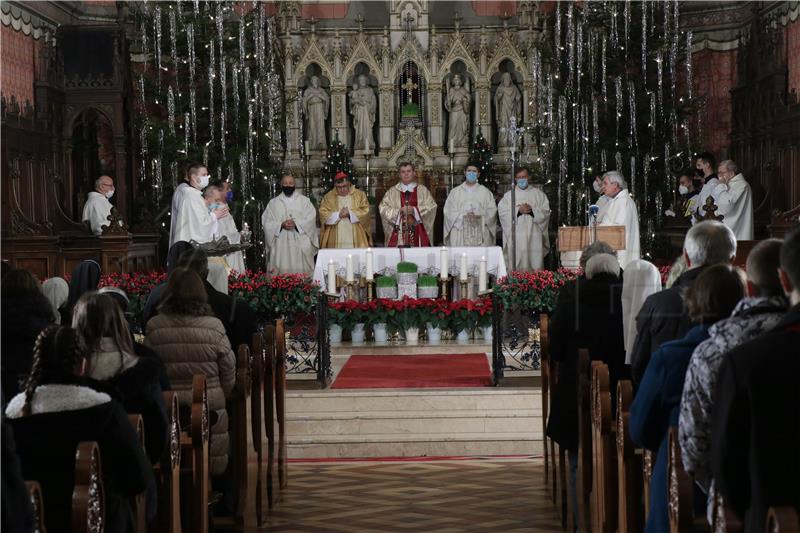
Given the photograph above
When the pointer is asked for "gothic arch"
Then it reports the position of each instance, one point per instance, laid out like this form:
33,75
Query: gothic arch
313,54
361,54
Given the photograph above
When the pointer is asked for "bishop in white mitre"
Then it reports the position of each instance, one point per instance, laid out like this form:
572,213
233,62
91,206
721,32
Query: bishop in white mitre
97,207
734,200
290,231
191,218
621,211
532,211
464,203
226,227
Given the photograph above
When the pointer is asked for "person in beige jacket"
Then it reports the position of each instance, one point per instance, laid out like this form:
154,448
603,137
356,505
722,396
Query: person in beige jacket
191,341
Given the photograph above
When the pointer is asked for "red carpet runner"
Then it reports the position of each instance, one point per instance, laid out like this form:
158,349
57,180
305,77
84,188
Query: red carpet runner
414,371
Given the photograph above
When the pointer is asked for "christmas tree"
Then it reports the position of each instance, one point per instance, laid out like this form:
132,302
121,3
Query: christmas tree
207,88
336,160
481,155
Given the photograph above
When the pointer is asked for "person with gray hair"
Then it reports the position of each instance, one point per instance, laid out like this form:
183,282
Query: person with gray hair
663,316
620,210
597,247
734,200
602,264
97,207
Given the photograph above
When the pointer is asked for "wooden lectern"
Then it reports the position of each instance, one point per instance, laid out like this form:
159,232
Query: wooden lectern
576,238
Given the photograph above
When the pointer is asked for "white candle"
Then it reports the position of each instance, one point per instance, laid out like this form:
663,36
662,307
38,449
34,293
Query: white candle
451,147
350,276
331,277
305,146
444,263
366,143
370,266
482,280
463,274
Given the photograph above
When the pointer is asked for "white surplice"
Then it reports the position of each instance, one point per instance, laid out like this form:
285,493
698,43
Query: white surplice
191,219
735,202
290,251
532,237
465,199
621,211
227,228
96,211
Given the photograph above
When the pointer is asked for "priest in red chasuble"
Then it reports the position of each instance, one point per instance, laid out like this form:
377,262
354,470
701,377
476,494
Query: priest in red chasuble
408,211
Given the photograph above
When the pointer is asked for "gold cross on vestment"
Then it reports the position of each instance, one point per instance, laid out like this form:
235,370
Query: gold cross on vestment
409,85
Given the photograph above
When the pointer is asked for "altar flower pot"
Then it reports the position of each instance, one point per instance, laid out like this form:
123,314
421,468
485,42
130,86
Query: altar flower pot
487,333
434,335
381,334
463,337
357,334
412,336
335,333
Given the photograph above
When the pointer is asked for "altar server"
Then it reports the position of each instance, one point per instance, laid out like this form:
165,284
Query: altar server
734,200
215,197
191,219
470,198
533,216
97,207
344,213
408,211
290,231
621,211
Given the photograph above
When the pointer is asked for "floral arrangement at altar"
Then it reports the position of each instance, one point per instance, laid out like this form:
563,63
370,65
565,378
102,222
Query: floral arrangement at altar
271,296
533,292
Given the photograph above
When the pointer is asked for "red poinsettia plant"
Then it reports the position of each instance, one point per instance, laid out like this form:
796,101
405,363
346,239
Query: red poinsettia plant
535,291
466,315
270,296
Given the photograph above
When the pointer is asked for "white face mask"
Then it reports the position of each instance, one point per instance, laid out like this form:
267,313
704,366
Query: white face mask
109,194
598,186
202,181
683,190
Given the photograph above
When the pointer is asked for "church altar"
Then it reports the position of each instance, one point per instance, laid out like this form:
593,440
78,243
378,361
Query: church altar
425,258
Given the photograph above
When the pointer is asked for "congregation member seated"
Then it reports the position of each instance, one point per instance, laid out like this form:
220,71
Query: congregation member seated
663,316
190,340
56,290
132,380
85,278
55,412
712,297
755,429
642,279
755,314
25,312
17,512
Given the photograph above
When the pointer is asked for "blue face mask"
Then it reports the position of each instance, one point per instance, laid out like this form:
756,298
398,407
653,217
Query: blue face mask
229,196
522,183
213,206
472,176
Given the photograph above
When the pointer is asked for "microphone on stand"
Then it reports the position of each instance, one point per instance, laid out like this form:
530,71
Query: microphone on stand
593,210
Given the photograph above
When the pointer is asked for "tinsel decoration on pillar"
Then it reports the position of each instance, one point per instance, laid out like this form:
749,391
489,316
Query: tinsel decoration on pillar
196,75
336,160
480,154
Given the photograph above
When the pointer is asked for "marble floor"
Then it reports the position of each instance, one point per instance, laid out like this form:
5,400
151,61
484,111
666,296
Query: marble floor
476,495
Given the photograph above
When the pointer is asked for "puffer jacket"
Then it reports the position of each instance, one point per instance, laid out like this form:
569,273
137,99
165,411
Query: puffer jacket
191,345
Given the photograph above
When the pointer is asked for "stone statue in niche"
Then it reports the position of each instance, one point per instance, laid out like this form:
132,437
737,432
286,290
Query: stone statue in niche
363,105
316,104
457,103
507,103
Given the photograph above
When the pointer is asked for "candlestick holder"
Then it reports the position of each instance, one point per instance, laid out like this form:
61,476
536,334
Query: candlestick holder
370,289
452,170
444,284
464,284
352,290
332,297
367,156
306,158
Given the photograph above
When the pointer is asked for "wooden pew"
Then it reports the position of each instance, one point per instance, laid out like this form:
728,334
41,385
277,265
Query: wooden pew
604,474
195,471
647,473
138,502
88,497
584,476
783,520
725,520
629,465
679,488
168,472
256,418
269,409
280,400
544,345
35,495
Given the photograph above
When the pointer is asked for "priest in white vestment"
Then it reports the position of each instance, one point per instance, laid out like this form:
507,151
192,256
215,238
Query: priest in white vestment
734,200
408,211
533,216
464,203
226,227
191,219
621,211
290,231
97,207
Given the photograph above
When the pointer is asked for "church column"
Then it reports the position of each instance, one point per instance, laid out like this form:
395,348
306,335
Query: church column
435,117
386,109
121,177
292,124
483,108
339,114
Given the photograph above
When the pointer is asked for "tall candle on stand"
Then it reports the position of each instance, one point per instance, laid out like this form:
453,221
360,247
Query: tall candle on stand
444,263
370,266
482,281
451,147
350,276
305,147
463,274
331,277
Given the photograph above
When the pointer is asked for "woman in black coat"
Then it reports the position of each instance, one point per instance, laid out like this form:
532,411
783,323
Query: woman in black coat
54,414
24,312
85,278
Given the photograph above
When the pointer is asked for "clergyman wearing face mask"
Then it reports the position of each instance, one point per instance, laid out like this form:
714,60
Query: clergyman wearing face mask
97,206
190,217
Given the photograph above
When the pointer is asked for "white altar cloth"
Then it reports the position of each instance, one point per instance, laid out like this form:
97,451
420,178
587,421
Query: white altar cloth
423,257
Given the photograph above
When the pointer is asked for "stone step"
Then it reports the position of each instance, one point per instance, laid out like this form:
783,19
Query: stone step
401,348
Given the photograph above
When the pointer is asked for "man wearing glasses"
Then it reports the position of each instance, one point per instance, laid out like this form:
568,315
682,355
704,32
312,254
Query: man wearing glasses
344,213
734,200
